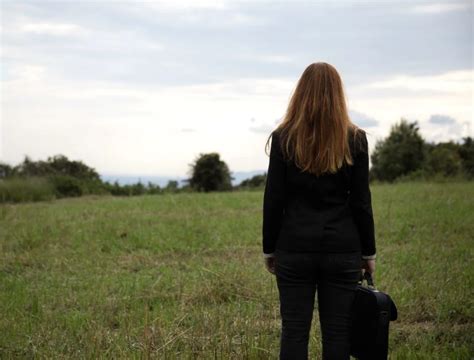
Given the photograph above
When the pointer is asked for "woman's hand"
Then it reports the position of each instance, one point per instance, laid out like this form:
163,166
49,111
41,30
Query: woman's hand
368,265
270,264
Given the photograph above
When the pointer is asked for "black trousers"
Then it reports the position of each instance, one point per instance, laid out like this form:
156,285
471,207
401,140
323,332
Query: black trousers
334,276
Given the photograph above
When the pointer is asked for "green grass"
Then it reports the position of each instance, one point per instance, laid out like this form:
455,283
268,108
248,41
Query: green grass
180,276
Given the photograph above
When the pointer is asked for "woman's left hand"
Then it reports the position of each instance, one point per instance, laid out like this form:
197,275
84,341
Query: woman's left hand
270,264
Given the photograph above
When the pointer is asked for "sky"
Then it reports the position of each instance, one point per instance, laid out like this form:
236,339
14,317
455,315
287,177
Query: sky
144,87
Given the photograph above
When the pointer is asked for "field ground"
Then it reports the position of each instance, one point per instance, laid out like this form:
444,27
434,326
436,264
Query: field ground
181,276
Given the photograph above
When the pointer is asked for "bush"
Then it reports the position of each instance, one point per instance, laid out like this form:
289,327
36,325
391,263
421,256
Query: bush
255,182
66,186
444,160
96,187
26,189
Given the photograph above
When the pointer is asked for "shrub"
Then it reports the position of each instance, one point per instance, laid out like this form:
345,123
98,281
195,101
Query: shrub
26,189
66,186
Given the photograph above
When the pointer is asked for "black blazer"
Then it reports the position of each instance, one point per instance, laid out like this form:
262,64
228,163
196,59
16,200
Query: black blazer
329,213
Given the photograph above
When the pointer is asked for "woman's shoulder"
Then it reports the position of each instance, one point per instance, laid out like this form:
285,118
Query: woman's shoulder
276,133
277,144
277,136
357,139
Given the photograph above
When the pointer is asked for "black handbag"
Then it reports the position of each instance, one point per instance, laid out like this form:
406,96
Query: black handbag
372,312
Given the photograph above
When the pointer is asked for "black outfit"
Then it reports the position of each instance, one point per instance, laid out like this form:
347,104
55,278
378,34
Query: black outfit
334,276
318,229
330,213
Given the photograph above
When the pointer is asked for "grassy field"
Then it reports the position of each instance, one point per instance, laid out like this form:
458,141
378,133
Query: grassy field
181,276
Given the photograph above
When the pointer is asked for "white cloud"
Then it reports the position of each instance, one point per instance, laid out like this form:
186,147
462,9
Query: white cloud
436,8
416,97
453,82
178,5
263,128
27,73
53,29
444,132
224,19
113,127
271,59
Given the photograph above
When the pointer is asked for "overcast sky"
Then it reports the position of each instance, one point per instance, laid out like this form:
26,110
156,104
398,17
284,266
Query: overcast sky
141,88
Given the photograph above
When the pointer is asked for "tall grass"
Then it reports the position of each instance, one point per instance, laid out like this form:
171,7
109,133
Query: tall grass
26,189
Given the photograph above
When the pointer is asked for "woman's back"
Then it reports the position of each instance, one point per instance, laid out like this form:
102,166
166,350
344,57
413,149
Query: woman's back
331,212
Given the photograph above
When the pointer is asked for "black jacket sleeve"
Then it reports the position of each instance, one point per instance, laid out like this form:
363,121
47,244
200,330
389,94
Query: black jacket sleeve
360,197
274,196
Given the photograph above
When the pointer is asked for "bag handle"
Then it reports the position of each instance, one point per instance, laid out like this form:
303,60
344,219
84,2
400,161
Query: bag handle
368,277
370,283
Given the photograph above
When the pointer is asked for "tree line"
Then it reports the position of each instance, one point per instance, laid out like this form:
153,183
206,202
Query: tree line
59,177
402,155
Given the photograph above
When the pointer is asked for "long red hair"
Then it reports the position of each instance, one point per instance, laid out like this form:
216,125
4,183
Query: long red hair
316,127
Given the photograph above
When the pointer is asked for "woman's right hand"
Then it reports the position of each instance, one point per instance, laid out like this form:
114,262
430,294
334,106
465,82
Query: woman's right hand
368,265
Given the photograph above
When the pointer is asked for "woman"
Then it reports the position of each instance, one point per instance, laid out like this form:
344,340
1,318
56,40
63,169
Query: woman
318,228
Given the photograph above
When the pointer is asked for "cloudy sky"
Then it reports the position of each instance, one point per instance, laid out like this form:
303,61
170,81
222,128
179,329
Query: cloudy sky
143,87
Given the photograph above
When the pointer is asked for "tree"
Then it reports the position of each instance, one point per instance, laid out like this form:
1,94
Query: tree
153,188
29,168
56,165
402,152
171,186
444,159
62,165
138,188
210,173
